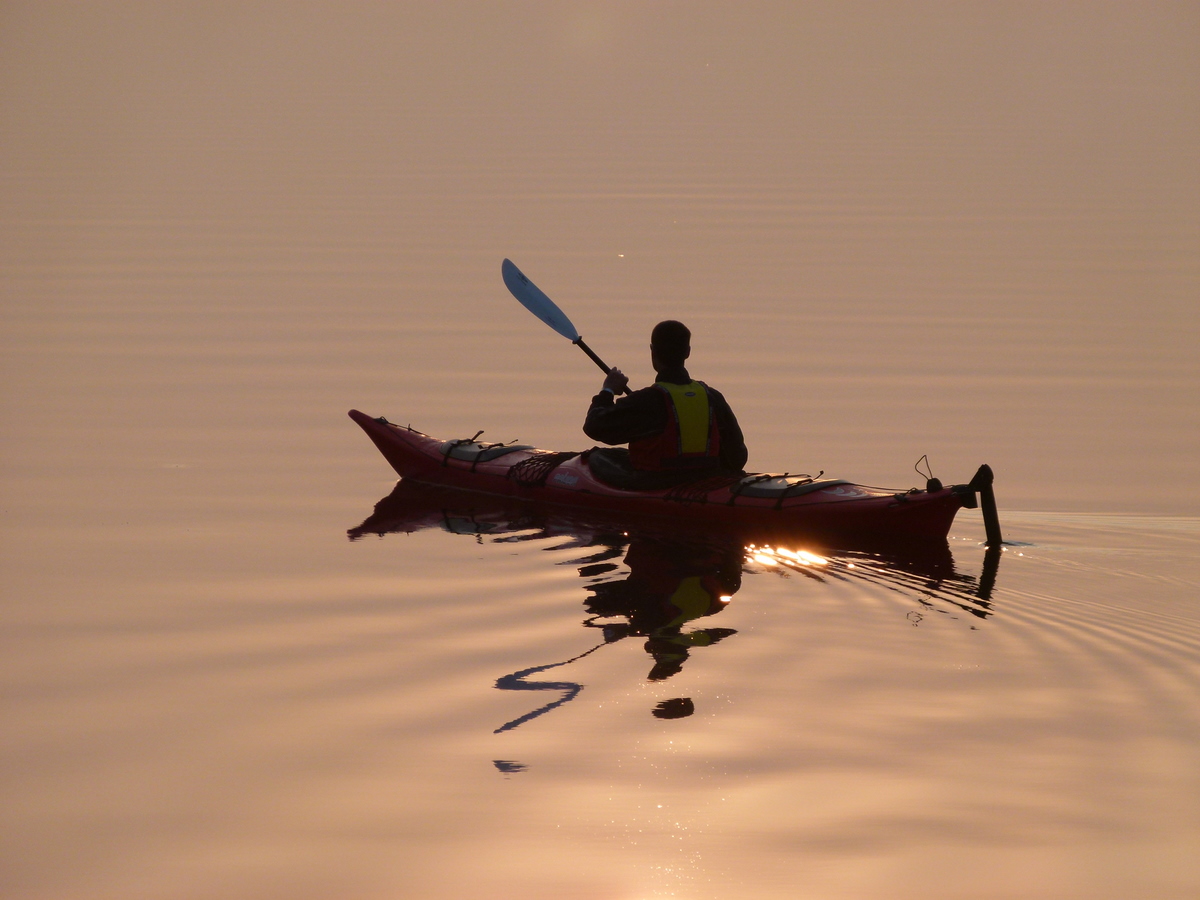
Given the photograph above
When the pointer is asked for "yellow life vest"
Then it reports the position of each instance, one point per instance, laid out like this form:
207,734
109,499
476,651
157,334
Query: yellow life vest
690,438
691,412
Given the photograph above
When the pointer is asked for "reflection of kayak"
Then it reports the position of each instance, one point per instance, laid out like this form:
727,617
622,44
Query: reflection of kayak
779,503
659,580
924,568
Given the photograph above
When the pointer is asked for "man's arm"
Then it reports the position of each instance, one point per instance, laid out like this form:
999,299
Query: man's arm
619,421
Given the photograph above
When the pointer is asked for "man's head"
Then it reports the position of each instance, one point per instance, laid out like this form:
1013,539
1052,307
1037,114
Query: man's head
670,344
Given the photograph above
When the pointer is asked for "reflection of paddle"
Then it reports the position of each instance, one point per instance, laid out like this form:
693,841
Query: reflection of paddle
515,682
987,577
531,297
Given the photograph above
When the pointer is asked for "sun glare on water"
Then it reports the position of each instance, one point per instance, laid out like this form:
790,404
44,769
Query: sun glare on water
774,556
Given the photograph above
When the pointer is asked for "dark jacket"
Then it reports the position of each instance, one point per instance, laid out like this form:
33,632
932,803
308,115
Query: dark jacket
644,414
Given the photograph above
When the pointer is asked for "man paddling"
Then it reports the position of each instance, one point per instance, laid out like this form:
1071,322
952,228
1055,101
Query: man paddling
677,429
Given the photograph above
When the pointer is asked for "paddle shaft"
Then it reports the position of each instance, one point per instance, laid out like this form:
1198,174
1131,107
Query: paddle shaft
535,300
578,342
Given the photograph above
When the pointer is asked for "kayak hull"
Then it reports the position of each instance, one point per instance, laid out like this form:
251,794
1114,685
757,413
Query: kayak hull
834,509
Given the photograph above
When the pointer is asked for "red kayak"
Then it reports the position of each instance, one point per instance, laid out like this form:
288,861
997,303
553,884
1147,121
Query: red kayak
763,503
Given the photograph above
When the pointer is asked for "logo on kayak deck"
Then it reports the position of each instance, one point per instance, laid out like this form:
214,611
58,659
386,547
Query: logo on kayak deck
845,491
566,478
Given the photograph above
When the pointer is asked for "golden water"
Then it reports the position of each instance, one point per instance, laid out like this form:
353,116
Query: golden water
964,232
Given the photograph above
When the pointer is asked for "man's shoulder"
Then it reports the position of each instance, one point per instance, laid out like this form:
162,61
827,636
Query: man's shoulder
651,394
708,388
650,390
717,399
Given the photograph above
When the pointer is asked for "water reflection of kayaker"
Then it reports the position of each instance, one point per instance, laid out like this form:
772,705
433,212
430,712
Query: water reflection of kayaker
677,429
669,585
674,578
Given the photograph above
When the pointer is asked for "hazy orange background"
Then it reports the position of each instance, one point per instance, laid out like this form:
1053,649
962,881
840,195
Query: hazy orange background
969,230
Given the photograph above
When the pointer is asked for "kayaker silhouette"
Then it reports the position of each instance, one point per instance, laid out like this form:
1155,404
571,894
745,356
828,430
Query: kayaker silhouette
678,430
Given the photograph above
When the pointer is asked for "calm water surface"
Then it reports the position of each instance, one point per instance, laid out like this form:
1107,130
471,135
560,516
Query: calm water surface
234,667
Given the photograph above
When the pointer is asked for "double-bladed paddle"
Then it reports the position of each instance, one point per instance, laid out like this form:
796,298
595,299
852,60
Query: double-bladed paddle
533,299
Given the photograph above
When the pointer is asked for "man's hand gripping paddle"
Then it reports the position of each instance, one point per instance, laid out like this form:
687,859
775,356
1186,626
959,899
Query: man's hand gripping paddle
531,297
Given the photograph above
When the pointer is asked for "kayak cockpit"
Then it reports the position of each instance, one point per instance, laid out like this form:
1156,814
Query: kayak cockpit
613,467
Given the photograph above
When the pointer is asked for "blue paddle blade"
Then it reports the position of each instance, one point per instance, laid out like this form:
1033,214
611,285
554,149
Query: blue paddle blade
532,298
